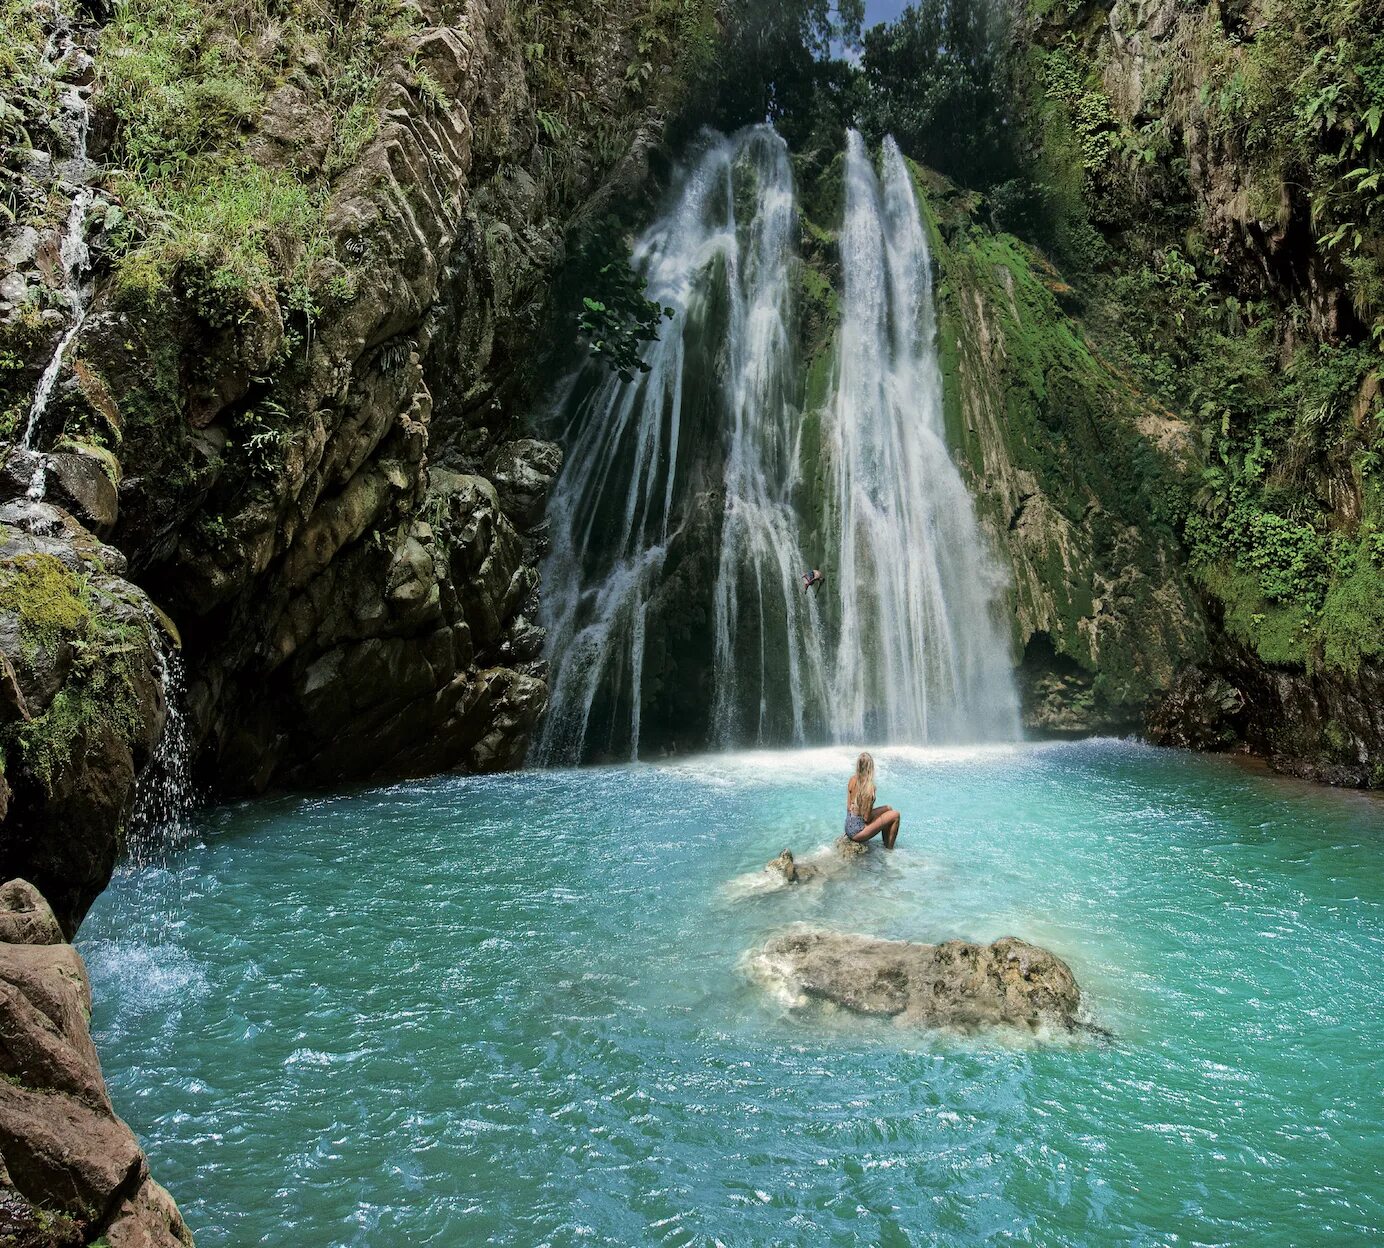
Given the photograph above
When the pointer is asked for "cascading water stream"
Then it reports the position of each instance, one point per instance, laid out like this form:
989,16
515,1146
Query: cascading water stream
73,253
692,501
164,796
713,418
919,653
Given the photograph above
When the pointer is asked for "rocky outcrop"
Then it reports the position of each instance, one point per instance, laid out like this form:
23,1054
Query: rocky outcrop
71,1172
1316,724
342,512
793,870
82,703
1249,187
954,985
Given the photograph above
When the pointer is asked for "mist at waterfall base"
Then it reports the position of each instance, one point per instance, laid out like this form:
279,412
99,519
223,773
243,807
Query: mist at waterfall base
696,495
516,1010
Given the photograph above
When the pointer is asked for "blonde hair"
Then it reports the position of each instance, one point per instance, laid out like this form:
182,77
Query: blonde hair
864,801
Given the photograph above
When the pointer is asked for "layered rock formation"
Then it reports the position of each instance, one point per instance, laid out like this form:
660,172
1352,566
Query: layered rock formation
71,1172
338,505
298,433
954,985
1070,466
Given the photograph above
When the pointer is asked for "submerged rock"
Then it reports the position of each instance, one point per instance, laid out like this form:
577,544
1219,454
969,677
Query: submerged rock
954,985
789,868
70,1171
796,871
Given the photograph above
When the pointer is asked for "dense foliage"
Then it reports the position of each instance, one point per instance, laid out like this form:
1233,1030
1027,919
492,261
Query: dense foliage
941,80
777,61
616,318
1265,340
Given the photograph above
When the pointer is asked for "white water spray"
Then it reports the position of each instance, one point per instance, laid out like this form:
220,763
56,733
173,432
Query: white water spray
164,797
712,416
691,503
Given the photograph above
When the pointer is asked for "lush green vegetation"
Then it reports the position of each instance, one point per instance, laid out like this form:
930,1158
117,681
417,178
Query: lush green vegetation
205,218
776,61
1274,362
617,318
942,80
1277,374
23,87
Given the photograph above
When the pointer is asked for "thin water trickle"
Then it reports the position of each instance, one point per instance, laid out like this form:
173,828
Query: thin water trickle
160,821
73,253
695,496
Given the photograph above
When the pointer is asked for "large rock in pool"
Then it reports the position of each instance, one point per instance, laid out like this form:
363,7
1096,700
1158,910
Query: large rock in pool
953,985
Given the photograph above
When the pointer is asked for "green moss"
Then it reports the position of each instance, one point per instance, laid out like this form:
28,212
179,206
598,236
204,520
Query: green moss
58,607
1279,634
50,600
1351,627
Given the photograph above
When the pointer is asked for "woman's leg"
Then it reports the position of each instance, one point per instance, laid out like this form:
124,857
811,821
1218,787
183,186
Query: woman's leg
879,821
891,831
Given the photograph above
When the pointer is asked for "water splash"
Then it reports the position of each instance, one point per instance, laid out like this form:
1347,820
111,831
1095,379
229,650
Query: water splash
164,796
714,415
693,498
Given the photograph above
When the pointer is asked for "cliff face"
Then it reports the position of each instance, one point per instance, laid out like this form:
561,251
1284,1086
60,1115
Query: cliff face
1224,158
282,381
268,294
1072,468
339,514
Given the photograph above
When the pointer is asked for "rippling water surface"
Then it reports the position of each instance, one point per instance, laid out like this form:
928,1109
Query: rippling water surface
512,1010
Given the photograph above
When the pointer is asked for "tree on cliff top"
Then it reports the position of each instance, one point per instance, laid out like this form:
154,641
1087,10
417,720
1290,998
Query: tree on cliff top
779,57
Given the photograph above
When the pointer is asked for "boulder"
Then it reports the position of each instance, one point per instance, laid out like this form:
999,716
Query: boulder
72,1172
522,472
80,481
954,985
1199,712
82,703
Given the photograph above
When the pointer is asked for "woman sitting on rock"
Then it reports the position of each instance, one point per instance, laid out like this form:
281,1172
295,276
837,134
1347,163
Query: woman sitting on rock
863,818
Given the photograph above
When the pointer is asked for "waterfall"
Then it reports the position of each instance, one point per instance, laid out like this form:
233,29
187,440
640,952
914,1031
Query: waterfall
919,652
710,427
164,795
696,495
73,253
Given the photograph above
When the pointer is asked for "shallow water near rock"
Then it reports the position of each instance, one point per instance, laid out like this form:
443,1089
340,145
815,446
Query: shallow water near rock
514,1009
